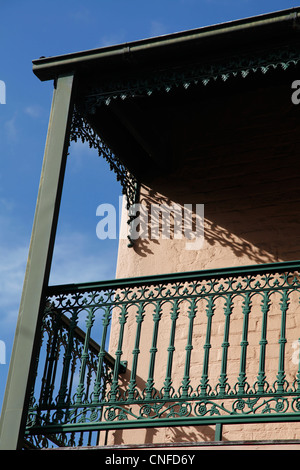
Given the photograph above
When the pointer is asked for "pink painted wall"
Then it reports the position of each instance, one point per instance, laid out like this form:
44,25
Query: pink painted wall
244,170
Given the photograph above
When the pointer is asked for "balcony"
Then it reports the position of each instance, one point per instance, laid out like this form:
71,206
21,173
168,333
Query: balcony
188,119
216,347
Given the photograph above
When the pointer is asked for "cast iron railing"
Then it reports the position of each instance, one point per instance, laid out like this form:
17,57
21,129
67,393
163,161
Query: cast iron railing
201,348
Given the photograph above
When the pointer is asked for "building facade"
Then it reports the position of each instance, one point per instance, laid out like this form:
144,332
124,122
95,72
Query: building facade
199,342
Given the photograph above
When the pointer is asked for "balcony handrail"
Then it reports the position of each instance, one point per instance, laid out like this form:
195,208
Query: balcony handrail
177,276
178,327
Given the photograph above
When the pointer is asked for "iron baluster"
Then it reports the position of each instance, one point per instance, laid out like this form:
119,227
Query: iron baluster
118,353
153,351
51,346
67,360
188,348
297,381
225,345
244,344
282,342
261,378
171,349
100,368
55,358
204,379
56,336
136,351
85,354
76,354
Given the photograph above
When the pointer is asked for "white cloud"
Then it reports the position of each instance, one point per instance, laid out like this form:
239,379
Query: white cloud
157,28
13,257
79,152
33,111
11,129
228,3
12,271
78,257
5,204
75,261
112,39
83,15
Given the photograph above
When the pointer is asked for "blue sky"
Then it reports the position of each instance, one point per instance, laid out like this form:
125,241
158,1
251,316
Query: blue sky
33,28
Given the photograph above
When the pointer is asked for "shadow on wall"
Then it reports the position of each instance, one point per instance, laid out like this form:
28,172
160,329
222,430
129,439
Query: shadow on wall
172,434
215,235
240,158
178,434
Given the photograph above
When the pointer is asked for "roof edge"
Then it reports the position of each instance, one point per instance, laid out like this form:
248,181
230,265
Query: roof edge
48,68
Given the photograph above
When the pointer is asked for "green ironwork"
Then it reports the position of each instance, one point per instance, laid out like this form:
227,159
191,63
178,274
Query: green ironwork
145,83
244,344
82,130
193,318
202,72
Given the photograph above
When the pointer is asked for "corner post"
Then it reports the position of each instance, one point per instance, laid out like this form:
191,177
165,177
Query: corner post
28,330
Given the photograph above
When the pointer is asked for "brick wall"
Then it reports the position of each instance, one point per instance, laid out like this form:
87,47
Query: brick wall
236,153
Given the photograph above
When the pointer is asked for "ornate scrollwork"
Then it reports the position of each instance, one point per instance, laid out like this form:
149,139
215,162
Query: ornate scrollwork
164,80
237,285
82,130
197,73
104,398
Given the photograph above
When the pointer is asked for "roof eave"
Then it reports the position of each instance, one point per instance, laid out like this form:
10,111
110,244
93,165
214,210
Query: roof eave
48,68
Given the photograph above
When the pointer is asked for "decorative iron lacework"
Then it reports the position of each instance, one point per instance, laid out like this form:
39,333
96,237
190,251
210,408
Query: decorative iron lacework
164,80
184,76
81,130
217,348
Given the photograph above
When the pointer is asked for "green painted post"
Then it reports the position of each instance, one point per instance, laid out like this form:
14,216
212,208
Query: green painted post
18,387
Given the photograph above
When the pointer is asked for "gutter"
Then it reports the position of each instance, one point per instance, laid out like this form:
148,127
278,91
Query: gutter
47,68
